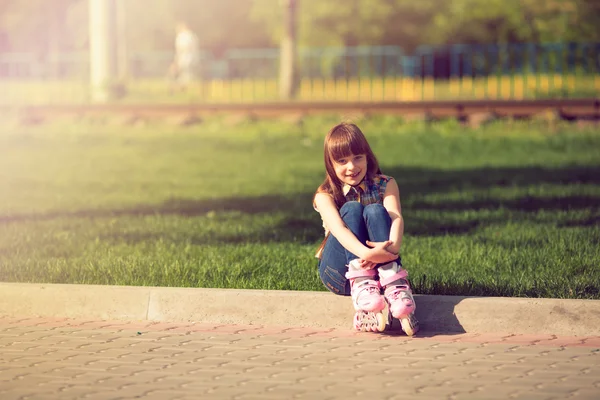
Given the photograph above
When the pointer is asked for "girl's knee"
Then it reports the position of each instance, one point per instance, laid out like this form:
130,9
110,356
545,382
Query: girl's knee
351,208
374,210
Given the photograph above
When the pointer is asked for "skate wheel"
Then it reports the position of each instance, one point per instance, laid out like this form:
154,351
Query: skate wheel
410,325
381,322
357,325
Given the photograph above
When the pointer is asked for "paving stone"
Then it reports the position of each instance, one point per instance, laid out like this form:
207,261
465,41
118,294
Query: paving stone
102,360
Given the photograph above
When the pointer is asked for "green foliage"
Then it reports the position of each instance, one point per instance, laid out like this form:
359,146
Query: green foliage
58,25
409,23
352,23
505,21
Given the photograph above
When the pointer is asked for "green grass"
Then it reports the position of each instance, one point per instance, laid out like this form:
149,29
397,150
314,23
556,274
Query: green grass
511,209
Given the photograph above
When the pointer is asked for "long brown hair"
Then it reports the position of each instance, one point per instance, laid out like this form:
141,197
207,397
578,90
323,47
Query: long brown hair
341,141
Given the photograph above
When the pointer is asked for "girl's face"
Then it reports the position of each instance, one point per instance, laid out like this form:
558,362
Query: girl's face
351,169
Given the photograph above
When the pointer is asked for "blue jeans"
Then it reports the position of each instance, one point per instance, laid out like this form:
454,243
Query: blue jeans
370,222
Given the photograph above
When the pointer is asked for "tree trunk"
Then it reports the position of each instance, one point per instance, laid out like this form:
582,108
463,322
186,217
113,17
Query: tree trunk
288,81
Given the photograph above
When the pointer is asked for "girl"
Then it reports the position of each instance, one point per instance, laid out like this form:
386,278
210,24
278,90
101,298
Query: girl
361,213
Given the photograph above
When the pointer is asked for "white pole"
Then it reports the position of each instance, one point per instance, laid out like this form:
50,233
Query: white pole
102,51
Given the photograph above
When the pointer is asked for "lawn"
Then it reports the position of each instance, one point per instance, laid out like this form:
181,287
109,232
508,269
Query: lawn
510,209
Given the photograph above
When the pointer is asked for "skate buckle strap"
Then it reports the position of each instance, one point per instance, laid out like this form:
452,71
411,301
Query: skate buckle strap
369,285
401,274
351,274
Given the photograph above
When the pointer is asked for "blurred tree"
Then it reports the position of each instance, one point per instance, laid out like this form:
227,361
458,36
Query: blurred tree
503,21
288,66
474,21
588,30
566,20
408,23
44,26
411,23
510,21
330,23
35,25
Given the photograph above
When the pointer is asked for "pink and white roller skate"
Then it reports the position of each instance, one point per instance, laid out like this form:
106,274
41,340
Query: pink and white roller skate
367,299
397,293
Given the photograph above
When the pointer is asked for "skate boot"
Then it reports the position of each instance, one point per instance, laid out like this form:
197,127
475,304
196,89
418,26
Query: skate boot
398,295
366,299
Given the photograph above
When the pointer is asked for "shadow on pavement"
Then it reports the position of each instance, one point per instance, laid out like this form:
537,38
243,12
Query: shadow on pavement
436,317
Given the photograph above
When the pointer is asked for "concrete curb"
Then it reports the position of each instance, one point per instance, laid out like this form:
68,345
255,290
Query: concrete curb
294,308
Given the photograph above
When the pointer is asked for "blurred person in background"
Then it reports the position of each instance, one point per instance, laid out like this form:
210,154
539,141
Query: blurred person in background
183,69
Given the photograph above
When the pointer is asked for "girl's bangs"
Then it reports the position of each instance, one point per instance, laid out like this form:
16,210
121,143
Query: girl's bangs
344,144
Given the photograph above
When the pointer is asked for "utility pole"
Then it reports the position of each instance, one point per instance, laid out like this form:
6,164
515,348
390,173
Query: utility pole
287,64
103,66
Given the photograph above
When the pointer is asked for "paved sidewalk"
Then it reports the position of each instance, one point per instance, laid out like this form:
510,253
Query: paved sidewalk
45,358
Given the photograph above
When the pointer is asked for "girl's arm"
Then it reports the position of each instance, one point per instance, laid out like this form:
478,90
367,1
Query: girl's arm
331,216
391,202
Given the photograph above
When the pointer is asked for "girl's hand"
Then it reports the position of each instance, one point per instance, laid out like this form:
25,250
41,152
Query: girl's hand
364,264
378,253
391,248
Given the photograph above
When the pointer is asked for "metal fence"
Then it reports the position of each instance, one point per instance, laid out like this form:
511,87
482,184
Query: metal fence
380,73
